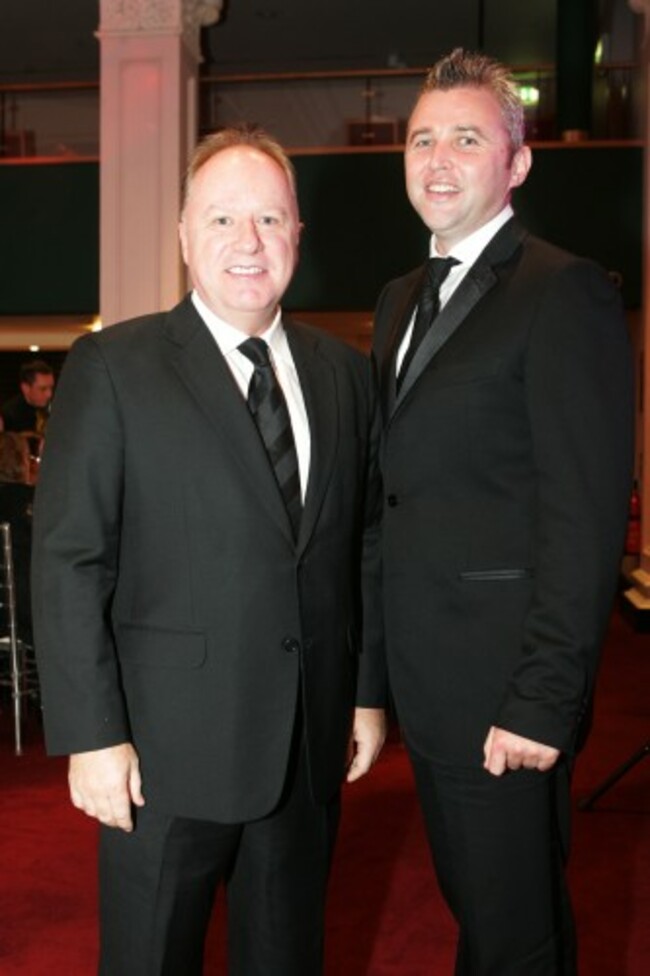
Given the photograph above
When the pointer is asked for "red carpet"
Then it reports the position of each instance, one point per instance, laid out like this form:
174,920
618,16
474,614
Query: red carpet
385,915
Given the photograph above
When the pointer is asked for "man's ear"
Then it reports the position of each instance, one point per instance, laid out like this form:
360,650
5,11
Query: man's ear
182,236
520,166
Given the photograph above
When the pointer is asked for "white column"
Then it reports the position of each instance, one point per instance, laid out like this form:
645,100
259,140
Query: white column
637,597
149,69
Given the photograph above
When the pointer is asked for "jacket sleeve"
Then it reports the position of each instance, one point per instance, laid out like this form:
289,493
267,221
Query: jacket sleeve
372,690
75,553
579,393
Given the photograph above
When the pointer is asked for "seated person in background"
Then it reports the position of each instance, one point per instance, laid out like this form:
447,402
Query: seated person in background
16,496
28,410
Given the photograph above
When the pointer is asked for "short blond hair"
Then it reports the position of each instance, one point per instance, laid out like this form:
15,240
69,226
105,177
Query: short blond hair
243,134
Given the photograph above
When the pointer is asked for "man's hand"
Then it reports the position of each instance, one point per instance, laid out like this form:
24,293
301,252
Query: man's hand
366,740
105,783
504,750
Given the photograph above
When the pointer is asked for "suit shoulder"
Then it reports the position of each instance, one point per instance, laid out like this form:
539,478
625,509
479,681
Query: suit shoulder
551,258
573,302
123,340
131,330
335,348
405,281
561,275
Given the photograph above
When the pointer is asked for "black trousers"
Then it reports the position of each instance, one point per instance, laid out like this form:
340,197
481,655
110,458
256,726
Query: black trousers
499,846
158,884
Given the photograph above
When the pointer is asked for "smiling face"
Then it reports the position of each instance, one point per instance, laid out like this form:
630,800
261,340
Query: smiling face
239,236
459,164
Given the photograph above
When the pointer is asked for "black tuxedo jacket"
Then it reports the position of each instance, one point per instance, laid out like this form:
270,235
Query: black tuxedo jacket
172,607
506,463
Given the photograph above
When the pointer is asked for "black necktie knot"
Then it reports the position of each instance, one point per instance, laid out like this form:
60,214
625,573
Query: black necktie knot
438,269
256,350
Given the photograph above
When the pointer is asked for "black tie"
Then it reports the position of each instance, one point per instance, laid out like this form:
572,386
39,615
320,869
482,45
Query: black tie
269,409
436,271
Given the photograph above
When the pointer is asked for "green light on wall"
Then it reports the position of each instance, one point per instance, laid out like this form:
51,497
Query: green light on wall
529,95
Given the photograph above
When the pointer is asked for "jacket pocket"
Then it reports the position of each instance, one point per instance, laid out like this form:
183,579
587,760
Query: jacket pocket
458,374
152,647
498,575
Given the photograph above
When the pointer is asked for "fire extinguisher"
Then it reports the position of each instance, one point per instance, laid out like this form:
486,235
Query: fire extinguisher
633,535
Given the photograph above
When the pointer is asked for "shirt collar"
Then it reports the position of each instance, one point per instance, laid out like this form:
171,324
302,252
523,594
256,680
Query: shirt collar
468,250
228,338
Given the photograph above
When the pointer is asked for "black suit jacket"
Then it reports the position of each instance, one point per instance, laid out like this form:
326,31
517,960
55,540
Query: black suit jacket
506,464
172,607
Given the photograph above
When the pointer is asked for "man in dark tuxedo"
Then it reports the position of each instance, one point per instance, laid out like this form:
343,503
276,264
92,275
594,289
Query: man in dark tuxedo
506,463
206,527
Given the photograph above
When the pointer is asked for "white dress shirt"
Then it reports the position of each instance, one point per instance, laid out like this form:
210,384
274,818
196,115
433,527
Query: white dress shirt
466,253
228,338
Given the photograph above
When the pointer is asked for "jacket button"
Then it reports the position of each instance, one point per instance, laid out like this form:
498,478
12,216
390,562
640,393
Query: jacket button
290,645
392,501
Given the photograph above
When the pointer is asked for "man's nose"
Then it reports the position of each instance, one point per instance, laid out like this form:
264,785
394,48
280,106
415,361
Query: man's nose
438,154
248,237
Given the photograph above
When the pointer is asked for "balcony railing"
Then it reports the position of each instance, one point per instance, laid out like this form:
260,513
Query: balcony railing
58,120
359,109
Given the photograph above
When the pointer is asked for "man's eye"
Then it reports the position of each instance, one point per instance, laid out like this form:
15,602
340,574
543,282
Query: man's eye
221,221
467,141
268,220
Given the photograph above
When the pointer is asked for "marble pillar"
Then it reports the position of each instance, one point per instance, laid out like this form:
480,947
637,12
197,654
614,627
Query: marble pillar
149,75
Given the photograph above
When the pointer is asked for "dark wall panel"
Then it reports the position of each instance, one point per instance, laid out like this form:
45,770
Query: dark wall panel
49,245
360,229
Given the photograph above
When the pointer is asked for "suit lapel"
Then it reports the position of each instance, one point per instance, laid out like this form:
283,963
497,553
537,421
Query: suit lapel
480,278
203,370
387,378
318,385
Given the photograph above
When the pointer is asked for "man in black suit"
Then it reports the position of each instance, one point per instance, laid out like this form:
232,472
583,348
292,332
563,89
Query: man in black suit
198,590
506,463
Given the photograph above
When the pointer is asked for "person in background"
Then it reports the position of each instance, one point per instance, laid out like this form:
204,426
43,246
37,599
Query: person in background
506,459
198,624
28,410
16,502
